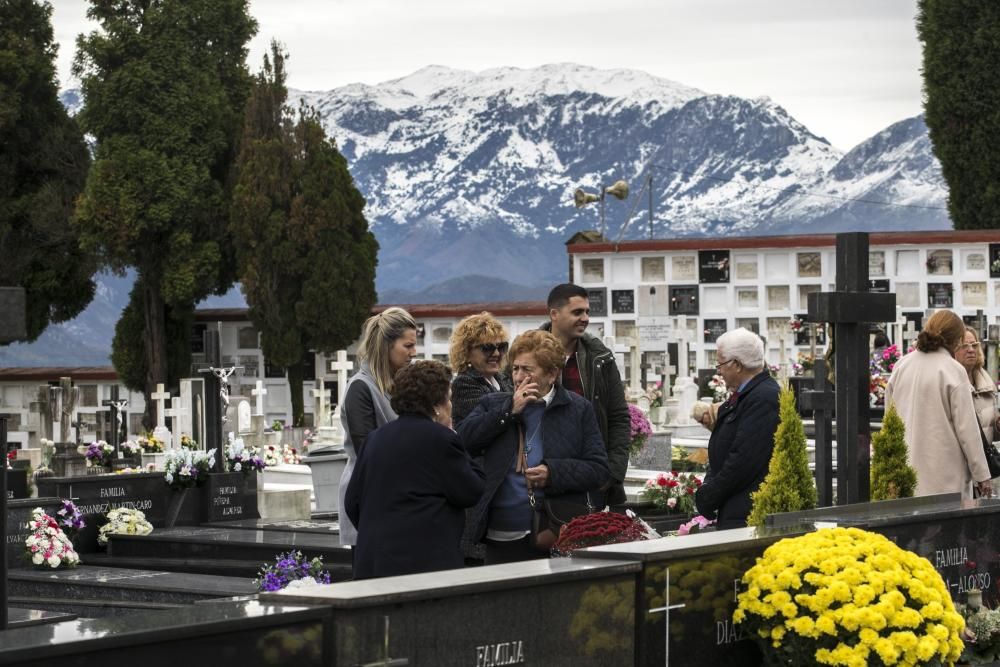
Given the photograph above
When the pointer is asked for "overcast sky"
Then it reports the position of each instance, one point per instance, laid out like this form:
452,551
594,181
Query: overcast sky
844,68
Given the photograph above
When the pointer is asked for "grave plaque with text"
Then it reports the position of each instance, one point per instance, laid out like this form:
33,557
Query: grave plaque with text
714,329
598,302
879,285
684,300
940,295
622,302
225,497
713,266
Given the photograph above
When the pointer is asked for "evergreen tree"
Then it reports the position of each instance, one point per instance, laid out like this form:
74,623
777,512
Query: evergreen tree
961,44
164,86
891,475
305,254
43,165
789,485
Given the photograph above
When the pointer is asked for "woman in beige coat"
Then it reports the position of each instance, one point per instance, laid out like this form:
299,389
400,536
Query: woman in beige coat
984,389
932,395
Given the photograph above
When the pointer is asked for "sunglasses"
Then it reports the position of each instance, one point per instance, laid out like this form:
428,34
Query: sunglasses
489,348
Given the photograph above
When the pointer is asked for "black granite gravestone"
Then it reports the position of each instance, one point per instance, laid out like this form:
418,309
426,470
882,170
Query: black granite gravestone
713,266
225,499
820,400
18,515
622,301
598,299
684,300
17,483
850,309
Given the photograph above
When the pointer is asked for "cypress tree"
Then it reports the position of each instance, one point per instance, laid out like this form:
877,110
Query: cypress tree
43,166
961,48
891,476
164,86
305,254
789,485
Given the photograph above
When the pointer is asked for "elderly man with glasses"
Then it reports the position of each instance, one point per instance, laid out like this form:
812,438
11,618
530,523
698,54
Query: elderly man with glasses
739,450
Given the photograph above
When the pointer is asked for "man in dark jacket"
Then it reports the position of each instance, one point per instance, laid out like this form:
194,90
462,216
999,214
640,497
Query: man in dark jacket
739,451
592,373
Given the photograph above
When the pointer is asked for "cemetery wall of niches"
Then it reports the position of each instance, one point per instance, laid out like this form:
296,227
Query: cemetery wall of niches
766,290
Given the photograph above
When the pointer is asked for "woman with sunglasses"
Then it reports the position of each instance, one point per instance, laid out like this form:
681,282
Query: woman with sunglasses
478,353
984,389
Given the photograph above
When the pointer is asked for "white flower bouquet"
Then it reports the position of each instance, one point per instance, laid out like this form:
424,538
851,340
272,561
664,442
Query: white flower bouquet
123,521
185,468
48,545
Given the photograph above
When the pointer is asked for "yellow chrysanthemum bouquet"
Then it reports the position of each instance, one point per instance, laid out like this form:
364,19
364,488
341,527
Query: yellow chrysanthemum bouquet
845,596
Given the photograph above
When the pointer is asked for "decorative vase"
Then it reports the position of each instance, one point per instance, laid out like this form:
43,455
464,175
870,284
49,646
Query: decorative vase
657,415
174,507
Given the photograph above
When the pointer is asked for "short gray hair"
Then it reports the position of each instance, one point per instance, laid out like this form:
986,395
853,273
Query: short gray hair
744,346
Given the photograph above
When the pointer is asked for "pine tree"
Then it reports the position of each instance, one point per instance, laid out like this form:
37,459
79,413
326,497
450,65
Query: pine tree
164,86
961,46
789,485
891,476
43,166
305,254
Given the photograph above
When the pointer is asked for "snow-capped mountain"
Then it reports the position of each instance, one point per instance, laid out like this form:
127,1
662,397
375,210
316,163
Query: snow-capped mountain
470,176
466,172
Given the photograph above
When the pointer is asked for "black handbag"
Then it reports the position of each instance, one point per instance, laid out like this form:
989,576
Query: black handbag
549,515
992,455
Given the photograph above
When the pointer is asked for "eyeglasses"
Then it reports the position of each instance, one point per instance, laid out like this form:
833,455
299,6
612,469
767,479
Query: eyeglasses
489,348
719,365
970,346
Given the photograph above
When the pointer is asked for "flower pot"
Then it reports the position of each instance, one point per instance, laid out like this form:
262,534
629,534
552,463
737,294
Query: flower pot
174,507
657,415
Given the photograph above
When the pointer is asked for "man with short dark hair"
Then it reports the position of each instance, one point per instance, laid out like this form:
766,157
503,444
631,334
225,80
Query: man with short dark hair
592,373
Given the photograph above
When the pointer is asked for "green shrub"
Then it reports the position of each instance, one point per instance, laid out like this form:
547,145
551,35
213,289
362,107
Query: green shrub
892,476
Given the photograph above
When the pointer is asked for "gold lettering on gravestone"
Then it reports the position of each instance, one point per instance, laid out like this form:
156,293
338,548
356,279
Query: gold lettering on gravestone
503,653
113,492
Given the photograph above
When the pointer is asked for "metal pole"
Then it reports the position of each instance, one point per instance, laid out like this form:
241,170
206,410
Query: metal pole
3,525
649,185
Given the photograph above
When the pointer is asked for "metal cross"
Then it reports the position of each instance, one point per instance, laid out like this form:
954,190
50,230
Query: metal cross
223,374
666,608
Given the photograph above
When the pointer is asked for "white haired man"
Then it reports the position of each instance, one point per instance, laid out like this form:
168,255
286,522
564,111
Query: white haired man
742,441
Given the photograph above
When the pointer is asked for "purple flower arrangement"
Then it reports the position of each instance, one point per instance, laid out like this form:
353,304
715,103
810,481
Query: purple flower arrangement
97,453
70,518
639,428
289,567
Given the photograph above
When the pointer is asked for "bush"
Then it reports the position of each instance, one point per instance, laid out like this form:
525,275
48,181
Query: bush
891,476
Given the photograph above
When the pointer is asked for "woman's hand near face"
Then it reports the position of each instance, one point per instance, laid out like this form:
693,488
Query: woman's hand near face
524,393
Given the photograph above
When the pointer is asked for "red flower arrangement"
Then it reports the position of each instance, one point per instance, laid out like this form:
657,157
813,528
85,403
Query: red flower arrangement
591,530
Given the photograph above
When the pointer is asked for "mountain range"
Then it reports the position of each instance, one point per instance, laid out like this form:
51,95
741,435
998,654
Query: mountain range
469,179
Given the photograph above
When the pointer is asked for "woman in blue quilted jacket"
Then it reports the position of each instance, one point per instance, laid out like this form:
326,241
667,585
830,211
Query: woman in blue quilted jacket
563,454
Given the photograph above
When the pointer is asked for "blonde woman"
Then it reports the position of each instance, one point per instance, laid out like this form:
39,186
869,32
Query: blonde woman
478,353
930,389
388,343
984,389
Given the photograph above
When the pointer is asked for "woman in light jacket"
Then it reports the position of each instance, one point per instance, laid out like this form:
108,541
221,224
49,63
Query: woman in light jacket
930,390
388,342
984,389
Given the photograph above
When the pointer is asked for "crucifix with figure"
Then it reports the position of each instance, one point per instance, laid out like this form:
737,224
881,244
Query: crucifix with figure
116,409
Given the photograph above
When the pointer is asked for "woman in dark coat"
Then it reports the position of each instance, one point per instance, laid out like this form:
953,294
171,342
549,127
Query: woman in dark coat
564,453
742,441
412,482
477,354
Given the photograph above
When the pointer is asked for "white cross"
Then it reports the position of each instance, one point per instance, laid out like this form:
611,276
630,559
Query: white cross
683,336
666,608
341,366
175,412
161,397
910,333
321,393
259,391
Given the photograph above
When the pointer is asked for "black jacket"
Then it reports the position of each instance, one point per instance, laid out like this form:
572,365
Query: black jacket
468,387
602,386
572,447
407,498
739,452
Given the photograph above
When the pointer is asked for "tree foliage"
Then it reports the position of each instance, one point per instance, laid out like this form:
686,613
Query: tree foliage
164,84
961,47
305,254
43,165
789,485
891,474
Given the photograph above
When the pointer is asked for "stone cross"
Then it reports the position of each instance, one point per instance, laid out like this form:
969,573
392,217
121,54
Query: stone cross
341,366
910,334
189,418
259,391
161,397
683,335
68,396
177,412
851,309
322,395
666,609
821,401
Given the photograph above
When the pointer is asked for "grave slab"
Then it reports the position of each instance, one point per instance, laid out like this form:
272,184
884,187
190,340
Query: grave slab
18,617
542,612
323,527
